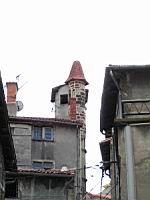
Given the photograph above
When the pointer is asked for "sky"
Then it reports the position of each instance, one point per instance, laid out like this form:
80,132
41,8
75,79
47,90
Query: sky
40,39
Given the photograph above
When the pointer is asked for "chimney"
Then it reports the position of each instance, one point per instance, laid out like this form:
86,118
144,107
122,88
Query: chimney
12,88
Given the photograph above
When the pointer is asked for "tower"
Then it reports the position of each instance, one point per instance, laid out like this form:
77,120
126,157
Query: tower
70,100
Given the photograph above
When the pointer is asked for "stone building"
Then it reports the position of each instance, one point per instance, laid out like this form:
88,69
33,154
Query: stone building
125,121
7,151
51,151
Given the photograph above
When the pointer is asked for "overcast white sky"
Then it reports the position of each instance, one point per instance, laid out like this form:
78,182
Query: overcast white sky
40,39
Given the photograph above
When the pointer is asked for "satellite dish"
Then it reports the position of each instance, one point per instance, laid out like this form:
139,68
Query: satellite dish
19,105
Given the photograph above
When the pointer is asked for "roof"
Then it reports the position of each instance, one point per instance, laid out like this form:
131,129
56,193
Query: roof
54,91
76,73
98,196
44,172
110,92
39,121
108,102
5,134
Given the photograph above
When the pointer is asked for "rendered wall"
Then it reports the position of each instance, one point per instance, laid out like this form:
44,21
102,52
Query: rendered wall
136,85
63,150
61,110
22,143
44,188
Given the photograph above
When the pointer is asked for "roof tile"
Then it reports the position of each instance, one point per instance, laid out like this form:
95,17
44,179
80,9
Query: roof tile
76,73
46,171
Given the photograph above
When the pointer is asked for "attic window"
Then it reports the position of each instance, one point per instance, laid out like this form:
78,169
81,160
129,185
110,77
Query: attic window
64,99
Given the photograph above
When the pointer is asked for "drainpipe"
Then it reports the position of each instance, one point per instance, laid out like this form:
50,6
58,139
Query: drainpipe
77,171
131,192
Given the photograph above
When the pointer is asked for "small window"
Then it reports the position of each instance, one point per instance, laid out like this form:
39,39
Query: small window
37,165
42,164
49,134
48,165
64,99
37,133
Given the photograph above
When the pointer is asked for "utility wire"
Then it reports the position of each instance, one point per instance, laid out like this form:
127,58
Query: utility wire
92,189
102,168
110,191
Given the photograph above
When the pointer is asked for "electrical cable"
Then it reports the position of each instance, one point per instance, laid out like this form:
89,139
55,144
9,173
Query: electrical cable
101,185
109,191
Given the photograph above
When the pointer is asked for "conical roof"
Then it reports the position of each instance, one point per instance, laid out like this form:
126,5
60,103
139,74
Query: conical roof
76,73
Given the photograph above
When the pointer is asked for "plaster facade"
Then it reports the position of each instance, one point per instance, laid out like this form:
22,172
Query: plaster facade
63,150
136,85
38,187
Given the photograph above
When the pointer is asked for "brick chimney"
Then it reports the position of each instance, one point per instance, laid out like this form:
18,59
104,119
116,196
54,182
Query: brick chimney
12,88
72,113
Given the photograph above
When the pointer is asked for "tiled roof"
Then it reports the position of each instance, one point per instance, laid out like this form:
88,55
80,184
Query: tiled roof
47,172
98,196
43,121
76,73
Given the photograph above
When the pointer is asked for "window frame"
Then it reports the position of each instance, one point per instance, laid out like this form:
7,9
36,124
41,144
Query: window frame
44,134
35,134
64,99
43,162
36,167
51,139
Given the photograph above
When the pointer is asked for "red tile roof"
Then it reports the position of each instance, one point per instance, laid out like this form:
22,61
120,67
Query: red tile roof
98,196
47,172
76,73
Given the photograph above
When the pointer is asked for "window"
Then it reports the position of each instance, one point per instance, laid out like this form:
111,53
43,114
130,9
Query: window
64,99
49,134
48,165
43,133
37,164
37,135
43,164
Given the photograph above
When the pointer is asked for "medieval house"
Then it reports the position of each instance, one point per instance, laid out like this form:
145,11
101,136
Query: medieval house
125,122
51,151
